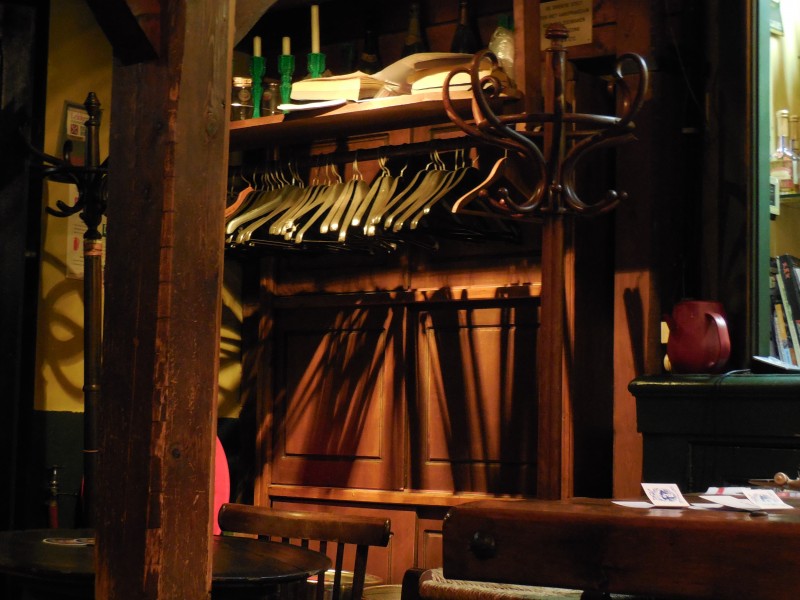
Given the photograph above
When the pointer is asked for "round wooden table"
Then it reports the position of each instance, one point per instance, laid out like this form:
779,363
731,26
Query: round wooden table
59,563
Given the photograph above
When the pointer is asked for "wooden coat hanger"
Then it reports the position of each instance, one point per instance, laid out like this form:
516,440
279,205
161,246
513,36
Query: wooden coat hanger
504,180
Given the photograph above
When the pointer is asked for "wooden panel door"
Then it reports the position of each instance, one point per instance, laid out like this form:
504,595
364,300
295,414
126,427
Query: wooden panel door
473,410
338,414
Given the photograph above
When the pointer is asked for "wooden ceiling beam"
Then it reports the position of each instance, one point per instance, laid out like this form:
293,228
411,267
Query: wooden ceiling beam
133,27
248,12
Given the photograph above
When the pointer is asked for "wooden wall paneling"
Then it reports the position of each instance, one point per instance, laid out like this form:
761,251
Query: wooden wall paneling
644,174
527,53
162,311
338,397
734,238
591,330
260,355
336,274
604,34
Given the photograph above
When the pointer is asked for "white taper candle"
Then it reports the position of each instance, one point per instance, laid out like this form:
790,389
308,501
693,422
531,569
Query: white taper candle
315,28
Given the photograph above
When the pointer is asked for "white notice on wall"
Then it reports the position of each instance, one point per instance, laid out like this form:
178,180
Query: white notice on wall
575,15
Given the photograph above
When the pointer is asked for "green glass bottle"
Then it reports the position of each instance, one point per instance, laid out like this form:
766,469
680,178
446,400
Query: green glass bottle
415,37
466,38
369,61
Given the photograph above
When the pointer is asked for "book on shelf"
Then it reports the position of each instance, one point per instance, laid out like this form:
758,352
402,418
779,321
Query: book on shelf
352,86
788,313
782,340
788,267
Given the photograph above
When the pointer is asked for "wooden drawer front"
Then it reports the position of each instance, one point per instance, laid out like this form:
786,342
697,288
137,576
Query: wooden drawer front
334,406
429,539
474,427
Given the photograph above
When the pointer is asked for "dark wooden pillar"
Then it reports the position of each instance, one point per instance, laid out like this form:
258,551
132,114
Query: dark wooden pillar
647,226
168,157
23,32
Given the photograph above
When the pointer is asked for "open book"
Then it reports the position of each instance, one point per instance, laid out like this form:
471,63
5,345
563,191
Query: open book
419,72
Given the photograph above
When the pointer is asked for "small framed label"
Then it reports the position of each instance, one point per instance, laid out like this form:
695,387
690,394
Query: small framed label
575,15
774,196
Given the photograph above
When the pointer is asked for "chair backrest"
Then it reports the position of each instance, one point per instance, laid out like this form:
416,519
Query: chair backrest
300,528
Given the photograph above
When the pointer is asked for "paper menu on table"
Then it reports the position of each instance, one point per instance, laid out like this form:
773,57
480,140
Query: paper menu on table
753,500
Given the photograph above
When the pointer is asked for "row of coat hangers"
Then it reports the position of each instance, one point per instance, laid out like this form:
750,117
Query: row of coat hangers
450,197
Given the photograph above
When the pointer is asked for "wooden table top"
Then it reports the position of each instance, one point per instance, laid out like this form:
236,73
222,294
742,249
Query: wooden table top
237,561
596,545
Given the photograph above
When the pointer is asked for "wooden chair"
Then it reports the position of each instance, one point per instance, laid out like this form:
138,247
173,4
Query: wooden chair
301,528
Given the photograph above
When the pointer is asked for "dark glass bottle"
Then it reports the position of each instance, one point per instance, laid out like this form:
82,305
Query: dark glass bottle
369,61
466,38
415,38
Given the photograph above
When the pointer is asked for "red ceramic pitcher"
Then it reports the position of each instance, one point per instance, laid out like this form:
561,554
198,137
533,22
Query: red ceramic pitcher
698,337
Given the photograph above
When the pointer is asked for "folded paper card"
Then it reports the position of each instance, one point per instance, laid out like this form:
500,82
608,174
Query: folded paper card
664,494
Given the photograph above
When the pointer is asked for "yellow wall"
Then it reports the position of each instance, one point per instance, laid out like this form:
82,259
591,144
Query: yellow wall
80,61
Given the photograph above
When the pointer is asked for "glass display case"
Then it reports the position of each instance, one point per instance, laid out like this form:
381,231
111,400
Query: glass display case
779,207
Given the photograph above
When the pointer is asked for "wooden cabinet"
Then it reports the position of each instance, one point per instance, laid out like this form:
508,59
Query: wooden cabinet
396,383
718,430
409,382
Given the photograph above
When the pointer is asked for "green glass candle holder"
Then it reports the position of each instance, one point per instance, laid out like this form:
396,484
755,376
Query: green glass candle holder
257,68
286,69
316,64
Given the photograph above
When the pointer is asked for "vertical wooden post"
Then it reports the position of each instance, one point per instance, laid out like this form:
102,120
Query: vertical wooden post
162,308
555,417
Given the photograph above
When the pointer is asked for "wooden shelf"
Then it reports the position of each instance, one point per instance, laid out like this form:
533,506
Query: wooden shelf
790,199
382,114
364,496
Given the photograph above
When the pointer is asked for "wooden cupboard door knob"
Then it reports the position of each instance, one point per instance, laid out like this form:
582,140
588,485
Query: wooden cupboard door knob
483,545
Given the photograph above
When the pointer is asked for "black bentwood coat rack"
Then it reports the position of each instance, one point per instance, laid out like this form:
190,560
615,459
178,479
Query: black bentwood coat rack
540,184
90,179
553,190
